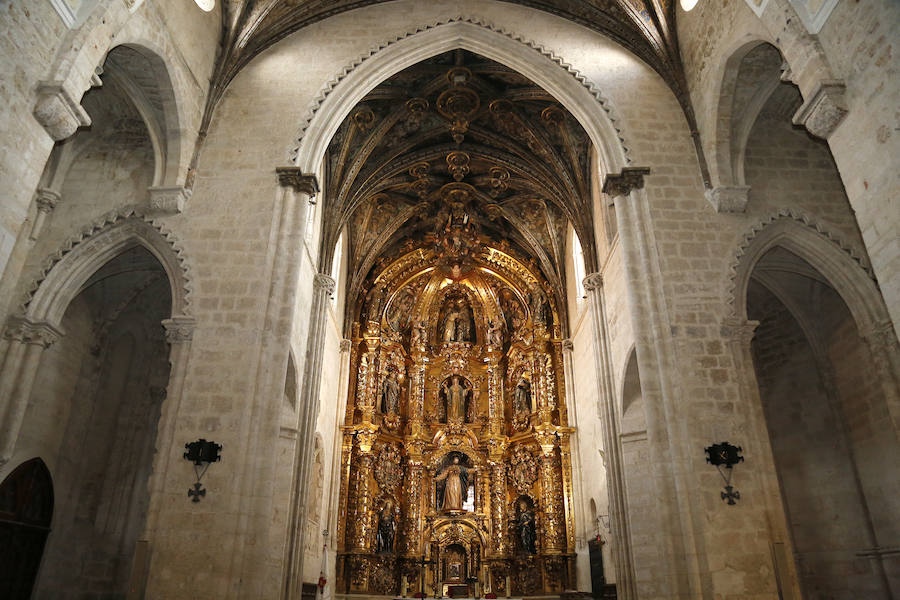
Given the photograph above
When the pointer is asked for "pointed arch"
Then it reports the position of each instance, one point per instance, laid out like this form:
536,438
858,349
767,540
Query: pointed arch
73,263
845,274
572,90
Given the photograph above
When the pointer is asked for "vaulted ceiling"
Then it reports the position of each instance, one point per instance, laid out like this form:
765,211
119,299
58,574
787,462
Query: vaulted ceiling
458,137
645,27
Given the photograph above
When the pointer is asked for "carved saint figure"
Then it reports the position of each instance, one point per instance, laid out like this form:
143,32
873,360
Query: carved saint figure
455,393
387,528
451,324
456,484
390,395
522,397
495,333
527,528
458,324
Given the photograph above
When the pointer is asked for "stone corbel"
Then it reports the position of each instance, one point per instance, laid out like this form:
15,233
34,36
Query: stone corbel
294,177
167,200
728,198
823,110
179,329
57,111
631,178
25,331
46,201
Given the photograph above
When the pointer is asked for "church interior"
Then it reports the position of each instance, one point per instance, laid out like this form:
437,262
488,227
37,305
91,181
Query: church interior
546,299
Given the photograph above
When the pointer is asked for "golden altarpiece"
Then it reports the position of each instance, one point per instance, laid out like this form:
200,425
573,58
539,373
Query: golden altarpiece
455,442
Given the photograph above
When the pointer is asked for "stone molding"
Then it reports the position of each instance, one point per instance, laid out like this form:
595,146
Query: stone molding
729,198
614,119
47,200
25,331
630,179
324,282
824,110
592,282
57,111
167,200
294,177
104,224
179,329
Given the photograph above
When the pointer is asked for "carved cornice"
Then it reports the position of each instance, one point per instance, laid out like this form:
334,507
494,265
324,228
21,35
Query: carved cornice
594,281
25,331
631,178
179,329
294,177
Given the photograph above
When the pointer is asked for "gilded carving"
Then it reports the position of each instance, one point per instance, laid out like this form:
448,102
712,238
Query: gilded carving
523,470
387,468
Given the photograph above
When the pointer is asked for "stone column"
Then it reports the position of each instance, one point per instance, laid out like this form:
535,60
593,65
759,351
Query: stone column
179,335
308,409
618,507
580,508
24,342
46,201
881,340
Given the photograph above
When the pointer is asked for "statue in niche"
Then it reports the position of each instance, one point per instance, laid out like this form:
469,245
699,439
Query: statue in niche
495,334
456,395
373,303
453,483
459,324
390,394
522,397
526,527
419,336
540,308
387,528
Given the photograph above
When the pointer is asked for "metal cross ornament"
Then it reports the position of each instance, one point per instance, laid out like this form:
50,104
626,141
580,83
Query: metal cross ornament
724,456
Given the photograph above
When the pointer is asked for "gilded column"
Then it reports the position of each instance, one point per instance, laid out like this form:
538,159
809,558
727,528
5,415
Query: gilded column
415,468
24,344
498,498
552,496
618,511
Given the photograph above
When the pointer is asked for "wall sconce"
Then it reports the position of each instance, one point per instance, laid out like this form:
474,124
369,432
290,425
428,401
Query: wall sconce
201,452
725,455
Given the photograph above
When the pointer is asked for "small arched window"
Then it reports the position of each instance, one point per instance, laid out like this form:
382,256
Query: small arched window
578,266
337,264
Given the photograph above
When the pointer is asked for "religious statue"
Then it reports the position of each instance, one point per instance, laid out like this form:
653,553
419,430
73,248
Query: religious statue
455,394
419,334
373,303
390,395
387,528
522,397
456,486
495,334
526,527
458,324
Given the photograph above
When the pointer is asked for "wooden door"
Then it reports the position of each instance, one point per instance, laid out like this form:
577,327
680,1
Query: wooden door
26,508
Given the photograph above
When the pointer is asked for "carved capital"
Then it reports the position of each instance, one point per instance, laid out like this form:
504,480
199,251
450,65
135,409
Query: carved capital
25,331
167,200
57,110
592,282
179,329
880,336
294,178
46,200
325,283
824,110
631,178
568,345
739,330
728,198
346,345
